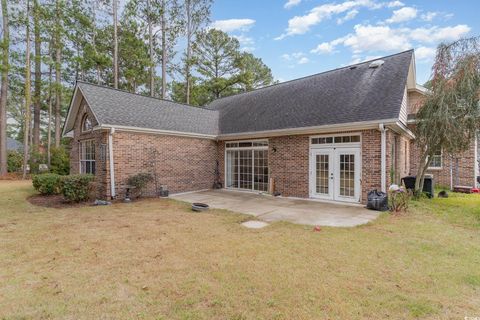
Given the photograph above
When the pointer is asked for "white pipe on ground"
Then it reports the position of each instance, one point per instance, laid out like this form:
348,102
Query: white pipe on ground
383,151
112,166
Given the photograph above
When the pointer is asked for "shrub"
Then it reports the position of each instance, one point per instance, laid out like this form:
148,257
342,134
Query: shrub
36,158
140,181
59,161
399,198
47,183
77,187
14,161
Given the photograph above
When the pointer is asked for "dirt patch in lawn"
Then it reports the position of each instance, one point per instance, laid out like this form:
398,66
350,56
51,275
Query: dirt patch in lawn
54,201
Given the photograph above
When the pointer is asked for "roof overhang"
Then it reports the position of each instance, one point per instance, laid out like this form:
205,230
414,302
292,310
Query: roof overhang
155,131
75,103
330,128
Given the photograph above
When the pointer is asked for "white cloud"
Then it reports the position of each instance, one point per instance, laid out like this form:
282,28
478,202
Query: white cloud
349,16
394,4
303,60
378,38
403,14
325,47
298,57
244,40
429,16
233,24
438,34
291,3
425,53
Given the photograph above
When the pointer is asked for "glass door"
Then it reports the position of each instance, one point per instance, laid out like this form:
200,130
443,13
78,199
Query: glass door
347,174
321,174
247,168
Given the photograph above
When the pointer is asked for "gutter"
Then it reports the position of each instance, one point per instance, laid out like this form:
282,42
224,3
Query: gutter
112,165
383,142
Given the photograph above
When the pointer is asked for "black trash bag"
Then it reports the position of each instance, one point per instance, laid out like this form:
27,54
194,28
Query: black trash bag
377,200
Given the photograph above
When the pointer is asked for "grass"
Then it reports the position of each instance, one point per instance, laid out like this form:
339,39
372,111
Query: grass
155,259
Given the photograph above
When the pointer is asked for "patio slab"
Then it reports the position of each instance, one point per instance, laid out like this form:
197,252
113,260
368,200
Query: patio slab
270,209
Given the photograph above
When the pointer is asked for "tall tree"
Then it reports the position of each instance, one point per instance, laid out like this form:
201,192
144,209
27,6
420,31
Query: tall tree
26,126
58,70
254,73
4,90
216,57
38,75
197,14
115,43
450,116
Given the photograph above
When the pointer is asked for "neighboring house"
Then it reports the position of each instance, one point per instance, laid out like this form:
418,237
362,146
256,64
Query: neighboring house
14,145
335,135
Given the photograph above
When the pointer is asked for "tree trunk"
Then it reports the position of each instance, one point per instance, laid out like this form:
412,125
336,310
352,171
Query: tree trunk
189,51
58,80
115,45
150,44
38,76
164,50
422,168
49,127
4,91
26,126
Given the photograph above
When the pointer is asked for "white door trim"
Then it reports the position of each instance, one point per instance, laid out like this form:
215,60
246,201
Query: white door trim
313,176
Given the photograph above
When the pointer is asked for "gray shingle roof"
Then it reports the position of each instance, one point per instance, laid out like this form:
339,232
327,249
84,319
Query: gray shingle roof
350,94
338,96
116,107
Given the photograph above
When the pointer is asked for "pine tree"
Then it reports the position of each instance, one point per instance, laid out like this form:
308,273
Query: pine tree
4,89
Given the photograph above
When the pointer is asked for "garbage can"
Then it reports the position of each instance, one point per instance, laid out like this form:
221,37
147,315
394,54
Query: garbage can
428,184
377,200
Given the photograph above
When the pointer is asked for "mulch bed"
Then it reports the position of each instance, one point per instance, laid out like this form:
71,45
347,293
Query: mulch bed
54,201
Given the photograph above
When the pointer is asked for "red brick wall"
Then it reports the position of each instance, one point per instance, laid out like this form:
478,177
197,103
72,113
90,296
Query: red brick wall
182,164
371,162
100,139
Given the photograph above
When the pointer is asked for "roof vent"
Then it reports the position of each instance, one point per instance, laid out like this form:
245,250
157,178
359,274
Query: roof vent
353,67
376,63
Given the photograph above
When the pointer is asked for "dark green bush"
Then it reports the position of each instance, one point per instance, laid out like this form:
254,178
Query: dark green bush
48,183
139,181
59,161
77,187
14,161
36,158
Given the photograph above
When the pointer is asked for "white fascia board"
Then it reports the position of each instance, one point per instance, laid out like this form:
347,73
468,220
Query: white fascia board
331,128
155,131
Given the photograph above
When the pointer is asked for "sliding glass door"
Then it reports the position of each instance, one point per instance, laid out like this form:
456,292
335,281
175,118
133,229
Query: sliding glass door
246,165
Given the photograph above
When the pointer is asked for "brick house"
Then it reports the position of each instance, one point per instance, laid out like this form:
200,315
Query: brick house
335,135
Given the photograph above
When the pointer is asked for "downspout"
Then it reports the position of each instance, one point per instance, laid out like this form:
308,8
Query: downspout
112,165
383,157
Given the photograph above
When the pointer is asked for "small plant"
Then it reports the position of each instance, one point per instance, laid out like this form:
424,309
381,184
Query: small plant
399,198
77,187
60,161
47,184
140,181
14,161
36,158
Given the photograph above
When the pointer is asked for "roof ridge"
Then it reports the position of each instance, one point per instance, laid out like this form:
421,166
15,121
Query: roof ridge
310,76
141,95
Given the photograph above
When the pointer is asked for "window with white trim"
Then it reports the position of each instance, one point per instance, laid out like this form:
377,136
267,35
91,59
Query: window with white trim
86,124
436,162
87,156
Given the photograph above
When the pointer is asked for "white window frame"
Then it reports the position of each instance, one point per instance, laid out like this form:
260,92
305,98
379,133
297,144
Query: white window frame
253,149
336,144
430,167
81,155
84,119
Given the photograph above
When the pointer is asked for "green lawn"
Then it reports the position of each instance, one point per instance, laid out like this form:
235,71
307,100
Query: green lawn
155,259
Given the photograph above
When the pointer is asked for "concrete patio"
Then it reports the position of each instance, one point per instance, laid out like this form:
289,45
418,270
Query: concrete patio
270,209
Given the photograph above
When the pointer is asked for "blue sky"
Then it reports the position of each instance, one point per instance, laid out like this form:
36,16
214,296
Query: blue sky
296,38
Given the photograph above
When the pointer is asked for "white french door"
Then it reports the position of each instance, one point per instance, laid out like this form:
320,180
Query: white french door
335,174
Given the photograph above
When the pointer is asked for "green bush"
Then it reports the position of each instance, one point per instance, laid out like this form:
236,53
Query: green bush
77,187
59,161
14,161
139,181
48,183
36,158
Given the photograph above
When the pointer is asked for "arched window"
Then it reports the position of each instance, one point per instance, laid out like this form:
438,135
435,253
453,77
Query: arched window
86,123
